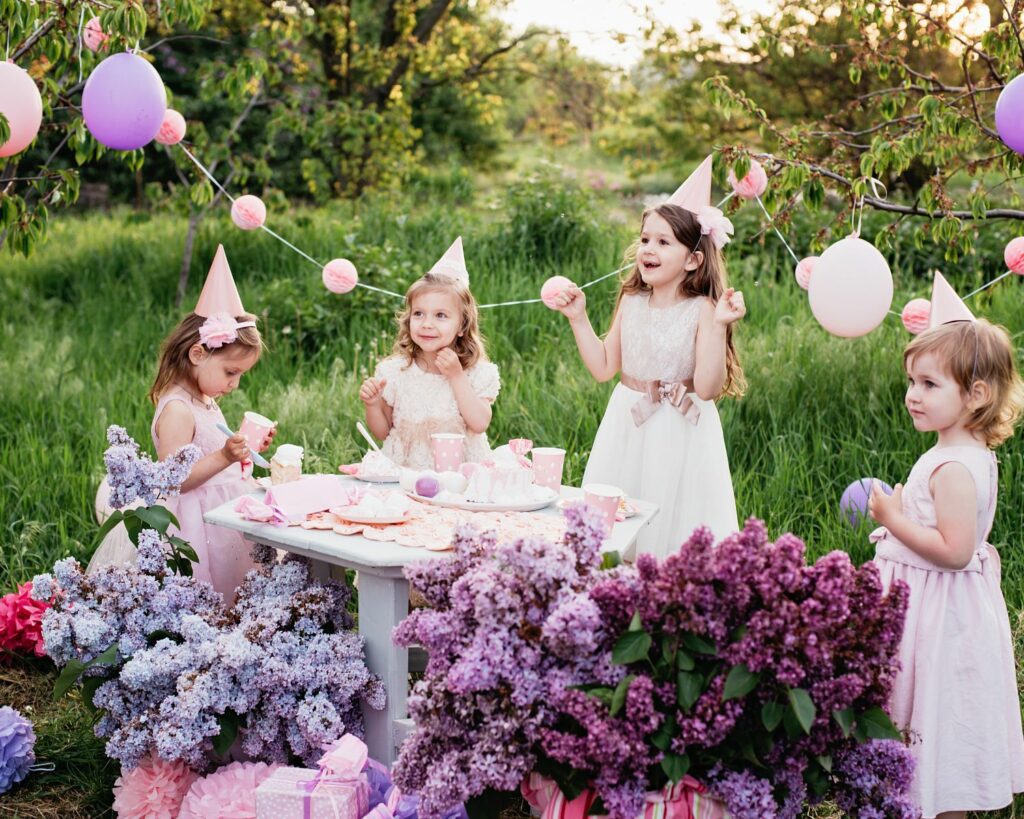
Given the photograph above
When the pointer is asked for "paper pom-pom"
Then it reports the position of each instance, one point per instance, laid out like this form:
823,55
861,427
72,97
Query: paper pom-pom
248,212
1014,256
228,791
93,35
915,315
753,184
553,288
340,276
172,130
153,790
803,271
17,741
21,623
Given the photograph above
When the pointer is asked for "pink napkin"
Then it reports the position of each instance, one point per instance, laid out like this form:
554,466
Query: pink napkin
314,493
251,509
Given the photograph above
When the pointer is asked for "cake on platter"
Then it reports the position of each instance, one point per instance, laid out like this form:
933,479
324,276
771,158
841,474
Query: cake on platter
376,466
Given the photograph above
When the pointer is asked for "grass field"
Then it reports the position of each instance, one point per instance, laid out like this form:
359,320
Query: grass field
81,321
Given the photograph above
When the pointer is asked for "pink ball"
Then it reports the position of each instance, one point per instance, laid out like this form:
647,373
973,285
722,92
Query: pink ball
22,105
172,130
340,276
753,184
1014,256
915,315
93,35
803,271
248,212
553,288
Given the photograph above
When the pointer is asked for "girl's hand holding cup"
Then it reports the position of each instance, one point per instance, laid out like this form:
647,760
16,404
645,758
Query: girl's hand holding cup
730,307
372,391
571,303
236,448
268,440
448,363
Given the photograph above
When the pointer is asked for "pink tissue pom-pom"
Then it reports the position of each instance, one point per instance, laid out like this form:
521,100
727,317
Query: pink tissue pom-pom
153,790
340,276
1014,256
172,131
753,184
227,793
248,212
21,623
915,315
93,35
553,288
803,271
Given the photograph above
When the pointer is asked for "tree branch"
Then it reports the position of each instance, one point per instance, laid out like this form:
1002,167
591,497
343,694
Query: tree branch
34,37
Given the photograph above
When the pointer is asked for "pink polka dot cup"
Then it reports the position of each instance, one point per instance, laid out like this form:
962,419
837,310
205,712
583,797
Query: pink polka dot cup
548,462
255,428
604,499
447,447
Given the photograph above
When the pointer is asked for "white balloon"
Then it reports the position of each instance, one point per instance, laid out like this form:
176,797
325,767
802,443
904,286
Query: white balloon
851,289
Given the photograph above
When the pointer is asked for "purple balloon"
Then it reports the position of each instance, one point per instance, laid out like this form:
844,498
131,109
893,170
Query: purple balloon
854,502
1010,114
124,102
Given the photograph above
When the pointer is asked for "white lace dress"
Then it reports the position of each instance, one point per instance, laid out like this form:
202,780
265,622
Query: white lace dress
423,403
680,465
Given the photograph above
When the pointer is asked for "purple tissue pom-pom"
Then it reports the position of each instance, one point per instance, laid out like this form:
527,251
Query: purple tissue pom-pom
16,748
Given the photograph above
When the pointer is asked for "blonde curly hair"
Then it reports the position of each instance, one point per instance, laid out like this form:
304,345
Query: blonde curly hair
468,344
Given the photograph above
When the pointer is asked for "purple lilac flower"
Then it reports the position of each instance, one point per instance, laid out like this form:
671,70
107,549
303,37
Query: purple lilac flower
133,474
876,776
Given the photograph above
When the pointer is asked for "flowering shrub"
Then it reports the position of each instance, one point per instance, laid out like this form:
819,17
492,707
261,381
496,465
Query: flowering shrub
738,664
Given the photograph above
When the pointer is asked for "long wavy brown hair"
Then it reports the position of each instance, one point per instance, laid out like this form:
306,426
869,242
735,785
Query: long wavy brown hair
468,344
175,366
709,280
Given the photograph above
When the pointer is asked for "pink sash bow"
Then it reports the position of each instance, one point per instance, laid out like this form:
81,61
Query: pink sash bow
678,394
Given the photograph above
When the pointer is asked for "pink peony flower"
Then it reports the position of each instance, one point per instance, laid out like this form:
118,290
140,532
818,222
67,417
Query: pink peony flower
753,184
21,623
218,330
715,224
1014,256
153,790
227,793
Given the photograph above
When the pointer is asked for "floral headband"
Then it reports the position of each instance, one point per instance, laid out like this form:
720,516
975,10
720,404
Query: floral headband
220,329
715,224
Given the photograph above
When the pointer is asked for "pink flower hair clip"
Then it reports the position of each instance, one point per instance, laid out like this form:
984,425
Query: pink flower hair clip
220,329
715,224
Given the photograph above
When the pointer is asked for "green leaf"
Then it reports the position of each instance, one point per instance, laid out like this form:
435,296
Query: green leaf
619,696
229,722
89,686
739,682
698,645
609,560
877,725
684,662
636,624
68,677
156,517
675,766
689,685
844,719
598,808
825,761
631,647
803,708
107,657
662,738
771,715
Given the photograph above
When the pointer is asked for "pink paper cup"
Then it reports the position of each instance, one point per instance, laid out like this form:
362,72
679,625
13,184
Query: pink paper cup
255,428
447,447
605,499
548,462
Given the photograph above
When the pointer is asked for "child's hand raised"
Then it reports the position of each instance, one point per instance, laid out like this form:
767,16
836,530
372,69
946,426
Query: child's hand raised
236,448
268,440
448,363
372,391
884,508
730,307
571,303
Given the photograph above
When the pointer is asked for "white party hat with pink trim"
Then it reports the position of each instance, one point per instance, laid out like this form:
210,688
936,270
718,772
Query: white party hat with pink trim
219,293
946,305
452,264
695,192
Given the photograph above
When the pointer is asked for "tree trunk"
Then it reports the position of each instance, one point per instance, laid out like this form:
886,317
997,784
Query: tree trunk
194,218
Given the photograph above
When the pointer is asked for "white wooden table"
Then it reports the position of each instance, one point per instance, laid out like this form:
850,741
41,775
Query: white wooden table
384,596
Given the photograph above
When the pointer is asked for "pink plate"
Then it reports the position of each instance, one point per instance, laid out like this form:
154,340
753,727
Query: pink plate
471,506
343,513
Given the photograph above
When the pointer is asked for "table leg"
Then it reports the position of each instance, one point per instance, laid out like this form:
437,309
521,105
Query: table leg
383,603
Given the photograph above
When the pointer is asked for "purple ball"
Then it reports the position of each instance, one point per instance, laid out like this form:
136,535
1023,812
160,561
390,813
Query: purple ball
124,102
1010,114
854,502
427,486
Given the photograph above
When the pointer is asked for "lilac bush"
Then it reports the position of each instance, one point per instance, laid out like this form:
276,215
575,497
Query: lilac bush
133,474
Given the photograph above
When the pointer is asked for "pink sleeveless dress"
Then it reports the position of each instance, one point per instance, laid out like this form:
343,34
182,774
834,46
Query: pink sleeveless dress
957,690
223,554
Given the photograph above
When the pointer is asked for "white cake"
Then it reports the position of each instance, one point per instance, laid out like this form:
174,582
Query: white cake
504,479
377,466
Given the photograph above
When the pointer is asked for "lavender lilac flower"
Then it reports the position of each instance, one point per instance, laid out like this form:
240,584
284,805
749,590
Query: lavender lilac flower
133,474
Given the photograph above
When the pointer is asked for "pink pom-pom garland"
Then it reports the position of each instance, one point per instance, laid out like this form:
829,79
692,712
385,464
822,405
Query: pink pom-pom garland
153,790
1014,256
228,791
553,288
93,35
753,184
803,271
340,276
915,315
172,130
248,212
21,624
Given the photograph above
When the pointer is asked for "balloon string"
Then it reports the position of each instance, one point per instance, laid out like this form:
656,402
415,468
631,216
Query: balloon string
777,231
81,21
538,301
989,284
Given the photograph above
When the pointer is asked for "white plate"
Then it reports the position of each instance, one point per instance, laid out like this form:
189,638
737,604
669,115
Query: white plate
343,513
472,506
375,479
264,482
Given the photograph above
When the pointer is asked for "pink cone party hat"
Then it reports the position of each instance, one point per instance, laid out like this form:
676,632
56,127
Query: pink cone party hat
452,264
219,293
947,306
695,192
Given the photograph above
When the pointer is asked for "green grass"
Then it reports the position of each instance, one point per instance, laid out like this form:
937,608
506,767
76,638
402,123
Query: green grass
81,321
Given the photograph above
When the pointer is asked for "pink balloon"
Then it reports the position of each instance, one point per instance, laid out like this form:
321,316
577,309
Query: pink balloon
21,104
915,315
248,212
340,276
851,290
753,184
1014,255
552,288
172,131
803,271
93,35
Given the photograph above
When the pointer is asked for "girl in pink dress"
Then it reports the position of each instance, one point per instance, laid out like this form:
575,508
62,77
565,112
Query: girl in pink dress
202,359
956,692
